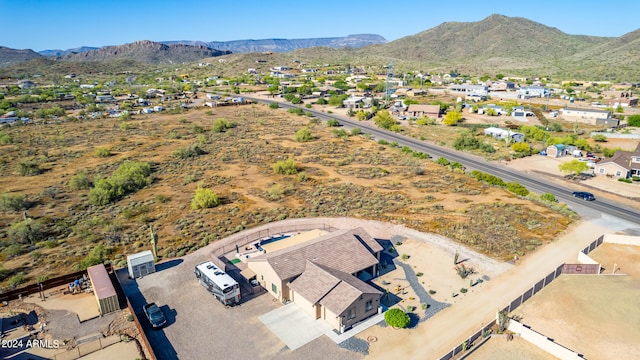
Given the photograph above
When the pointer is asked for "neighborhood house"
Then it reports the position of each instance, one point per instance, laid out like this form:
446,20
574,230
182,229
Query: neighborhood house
623,164
588,116
503,134
325,276
417,111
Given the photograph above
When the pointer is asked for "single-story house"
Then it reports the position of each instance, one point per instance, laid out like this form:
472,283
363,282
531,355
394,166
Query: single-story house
416,92
588,116
325,275
532,91
557,150
503,134
417,111
470,89
623,164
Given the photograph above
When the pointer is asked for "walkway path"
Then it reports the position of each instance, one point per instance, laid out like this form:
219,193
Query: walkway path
442,332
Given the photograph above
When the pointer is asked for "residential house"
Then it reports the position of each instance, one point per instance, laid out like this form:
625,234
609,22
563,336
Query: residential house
557,150
625,99
588,116
353,102
532,91
623,164
482,90
503,134
416,92
418,110
26,84
501,86
325,275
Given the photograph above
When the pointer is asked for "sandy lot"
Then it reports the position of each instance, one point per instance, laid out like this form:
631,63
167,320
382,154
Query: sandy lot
517,349
597,316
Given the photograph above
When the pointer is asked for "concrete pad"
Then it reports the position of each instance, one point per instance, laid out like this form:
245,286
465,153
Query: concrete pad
294,326
358,328
83,304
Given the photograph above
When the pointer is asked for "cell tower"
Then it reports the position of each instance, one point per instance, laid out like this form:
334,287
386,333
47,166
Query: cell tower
386,84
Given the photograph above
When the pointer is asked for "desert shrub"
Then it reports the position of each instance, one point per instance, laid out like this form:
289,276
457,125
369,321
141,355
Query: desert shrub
29,168
303,135
221,125
517,188
442,161
488,178
302,177
341,133
296,111
162,198
27,231
129,177
411,308
98,255
418,274
193,150
383,142
124,126
204,199
522,148
356,131
633,120
599,138
608,152
5,139
274,105
285,167
333,123
463,290
397,318
432,292
80,180
102,152
197,129
405,257
17,279
13,202
549,197
296,100
420,155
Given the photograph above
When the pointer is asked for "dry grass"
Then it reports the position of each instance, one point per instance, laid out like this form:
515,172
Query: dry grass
354,177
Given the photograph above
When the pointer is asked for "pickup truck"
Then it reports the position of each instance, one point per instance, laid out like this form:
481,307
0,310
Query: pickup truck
154,315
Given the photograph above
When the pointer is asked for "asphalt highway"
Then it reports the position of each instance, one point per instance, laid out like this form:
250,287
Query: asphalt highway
471,162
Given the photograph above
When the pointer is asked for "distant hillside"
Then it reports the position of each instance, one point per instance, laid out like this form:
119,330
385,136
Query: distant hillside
10,56
285,45
147,52
65,52
513,45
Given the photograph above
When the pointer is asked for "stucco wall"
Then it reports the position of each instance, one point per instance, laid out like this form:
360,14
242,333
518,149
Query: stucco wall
542,341
622,239
585,259
304,303
266,276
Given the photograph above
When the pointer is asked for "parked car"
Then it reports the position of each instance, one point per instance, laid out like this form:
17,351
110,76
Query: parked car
584,195
402,117
154,315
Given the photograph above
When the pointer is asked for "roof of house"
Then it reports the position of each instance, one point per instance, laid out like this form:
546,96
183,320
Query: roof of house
424,108
623,158
585,110
349,250
333,289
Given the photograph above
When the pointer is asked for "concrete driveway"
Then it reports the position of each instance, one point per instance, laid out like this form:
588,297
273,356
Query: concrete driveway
294,326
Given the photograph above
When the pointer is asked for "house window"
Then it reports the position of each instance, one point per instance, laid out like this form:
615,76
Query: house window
352,314
261,277
369,305
601,171
618,173
274,288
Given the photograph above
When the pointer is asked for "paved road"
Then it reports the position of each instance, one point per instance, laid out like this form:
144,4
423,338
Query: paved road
471,162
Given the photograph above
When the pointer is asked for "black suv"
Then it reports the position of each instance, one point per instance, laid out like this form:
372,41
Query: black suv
584,195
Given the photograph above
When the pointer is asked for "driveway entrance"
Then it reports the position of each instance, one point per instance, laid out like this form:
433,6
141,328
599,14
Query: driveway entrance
294,326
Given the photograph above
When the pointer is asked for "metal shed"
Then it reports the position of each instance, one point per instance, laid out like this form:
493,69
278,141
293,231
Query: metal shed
103,289
141,264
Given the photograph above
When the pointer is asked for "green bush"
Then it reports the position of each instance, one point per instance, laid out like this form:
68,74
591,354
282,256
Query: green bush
548,197
356,131
17,279
333,123
221,125
322,101
383,142
80,180
274,105
397,318
13,202
102,152
128,178
29,168
488,178
162,198
442,161
635,178
192,151
517,189
626,180
285,167
432,292
341,133
303,135
97,256
463,290
204,199
5,139
296,111
27,231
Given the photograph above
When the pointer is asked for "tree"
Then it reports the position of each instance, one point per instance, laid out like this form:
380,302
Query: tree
576,167
303,135
633,120
384,120
521,148
296,100
362,86
452,118
13,202
204,199
27,231
321,101
397,318
285,167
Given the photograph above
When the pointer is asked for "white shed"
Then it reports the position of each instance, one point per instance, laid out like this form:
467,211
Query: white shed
141,264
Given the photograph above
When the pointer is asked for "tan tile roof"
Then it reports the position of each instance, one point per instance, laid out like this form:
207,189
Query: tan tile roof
623,158
344,250
333,289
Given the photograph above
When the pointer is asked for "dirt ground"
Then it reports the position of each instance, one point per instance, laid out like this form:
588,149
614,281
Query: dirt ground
517,349
597,316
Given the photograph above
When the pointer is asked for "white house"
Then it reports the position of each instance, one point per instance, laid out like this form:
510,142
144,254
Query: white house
503,134
471,89
532,91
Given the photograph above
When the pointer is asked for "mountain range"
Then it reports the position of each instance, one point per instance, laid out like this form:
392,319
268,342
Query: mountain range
498,44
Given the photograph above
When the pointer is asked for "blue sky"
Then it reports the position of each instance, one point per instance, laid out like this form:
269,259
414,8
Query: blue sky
64,24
